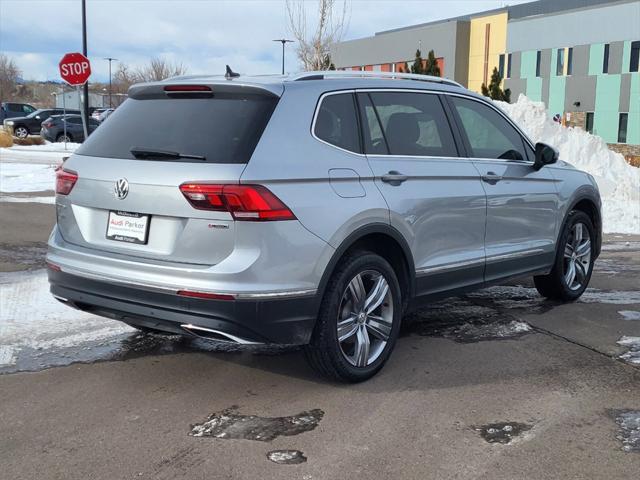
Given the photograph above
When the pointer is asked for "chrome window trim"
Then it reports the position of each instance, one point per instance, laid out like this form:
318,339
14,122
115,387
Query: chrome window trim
315,118
426,91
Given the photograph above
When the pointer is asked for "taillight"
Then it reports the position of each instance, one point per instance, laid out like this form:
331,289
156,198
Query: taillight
65,180
244,202
187,88
47,124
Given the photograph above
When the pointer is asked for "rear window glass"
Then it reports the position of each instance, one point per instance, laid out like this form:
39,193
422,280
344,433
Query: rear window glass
222,129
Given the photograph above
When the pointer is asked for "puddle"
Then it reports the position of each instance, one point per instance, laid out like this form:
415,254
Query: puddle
463,321
632,356
286,457
123,347
38,332
502,432
630,314
229,424
628,429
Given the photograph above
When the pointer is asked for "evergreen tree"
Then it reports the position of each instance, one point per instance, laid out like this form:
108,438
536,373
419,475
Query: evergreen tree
406,68
432,67
332,66
417,63
494,91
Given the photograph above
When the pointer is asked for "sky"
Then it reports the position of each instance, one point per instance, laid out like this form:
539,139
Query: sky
203,35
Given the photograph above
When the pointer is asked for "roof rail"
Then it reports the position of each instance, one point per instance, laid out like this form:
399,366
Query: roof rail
320,75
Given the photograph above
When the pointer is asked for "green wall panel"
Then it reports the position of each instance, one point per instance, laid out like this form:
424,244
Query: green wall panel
534,89
605,119
596,58
633,124
528,64
557,86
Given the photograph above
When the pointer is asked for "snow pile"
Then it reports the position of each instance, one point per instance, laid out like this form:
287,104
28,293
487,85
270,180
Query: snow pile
49,153
618,181
21,177
31,318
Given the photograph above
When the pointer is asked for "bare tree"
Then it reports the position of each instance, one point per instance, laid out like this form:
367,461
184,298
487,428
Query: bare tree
313,48
9,75
157,69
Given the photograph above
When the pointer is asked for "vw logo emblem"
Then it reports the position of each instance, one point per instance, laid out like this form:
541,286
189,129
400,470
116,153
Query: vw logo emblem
121,190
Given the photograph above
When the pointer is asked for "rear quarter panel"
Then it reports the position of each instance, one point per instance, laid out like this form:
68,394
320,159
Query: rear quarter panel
296,167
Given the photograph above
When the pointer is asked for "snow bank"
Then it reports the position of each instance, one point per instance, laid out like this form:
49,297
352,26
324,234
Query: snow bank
26,177
48,154
618,181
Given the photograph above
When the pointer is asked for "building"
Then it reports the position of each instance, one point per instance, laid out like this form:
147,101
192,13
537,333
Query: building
72,99
580,57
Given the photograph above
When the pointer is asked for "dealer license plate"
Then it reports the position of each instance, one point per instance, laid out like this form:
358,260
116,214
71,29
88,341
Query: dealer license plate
128,227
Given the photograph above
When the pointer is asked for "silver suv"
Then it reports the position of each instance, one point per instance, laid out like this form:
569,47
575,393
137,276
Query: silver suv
314,209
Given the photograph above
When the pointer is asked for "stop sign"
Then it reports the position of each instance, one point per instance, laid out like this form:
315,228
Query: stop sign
75,68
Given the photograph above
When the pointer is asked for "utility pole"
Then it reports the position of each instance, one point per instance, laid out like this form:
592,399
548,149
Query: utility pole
283,41
85,88
110,60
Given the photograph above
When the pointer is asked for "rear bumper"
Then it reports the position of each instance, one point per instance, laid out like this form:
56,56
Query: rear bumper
282,320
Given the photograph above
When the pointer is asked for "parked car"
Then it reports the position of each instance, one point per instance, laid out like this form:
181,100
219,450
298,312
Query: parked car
316,210
53,128
22,127
97,111
14,109
104,115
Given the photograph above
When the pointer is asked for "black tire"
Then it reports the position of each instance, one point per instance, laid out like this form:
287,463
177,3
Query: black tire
18,131
554,285
60,138
325,353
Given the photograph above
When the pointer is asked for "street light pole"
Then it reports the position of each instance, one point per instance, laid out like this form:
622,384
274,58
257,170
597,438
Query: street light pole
85,88
110,60
283,41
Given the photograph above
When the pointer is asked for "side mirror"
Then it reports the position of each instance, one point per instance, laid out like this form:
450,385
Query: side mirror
545,155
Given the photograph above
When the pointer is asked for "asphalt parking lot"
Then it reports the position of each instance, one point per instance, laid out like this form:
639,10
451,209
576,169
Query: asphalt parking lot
499,384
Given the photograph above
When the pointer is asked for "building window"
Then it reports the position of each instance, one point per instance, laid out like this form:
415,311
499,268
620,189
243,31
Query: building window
622,127
635,56
509,65
538,62
560,63
501,65
589,123
605,61
570,61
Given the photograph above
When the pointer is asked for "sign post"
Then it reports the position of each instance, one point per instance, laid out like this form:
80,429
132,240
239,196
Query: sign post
75,69
64,116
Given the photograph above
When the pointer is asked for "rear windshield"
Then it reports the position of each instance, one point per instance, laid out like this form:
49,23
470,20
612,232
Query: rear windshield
222,129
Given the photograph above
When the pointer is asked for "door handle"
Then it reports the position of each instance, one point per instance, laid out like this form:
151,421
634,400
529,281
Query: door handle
491,177
394,178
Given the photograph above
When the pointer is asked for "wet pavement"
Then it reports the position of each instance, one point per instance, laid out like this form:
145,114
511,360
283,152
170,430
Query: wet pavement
498,384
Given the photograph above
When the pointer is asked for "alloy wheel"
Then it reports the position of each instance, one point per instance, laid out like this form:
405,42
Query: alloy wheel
577,257
365,318
21,132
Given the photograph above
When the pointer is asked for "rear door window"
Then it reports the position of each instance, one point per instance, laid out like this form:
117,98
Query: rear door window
222,129
336,122
488,134
412,124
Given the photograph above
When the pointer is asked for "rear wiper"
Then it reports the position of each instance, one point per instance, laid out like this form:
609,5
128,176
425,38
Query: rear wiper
142,153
